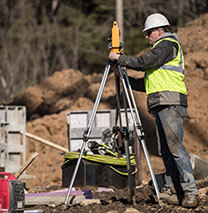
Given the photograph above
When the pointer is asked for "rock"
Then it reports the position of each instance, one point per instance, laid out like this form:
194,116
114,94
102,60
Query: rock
200,166
131,210
88,202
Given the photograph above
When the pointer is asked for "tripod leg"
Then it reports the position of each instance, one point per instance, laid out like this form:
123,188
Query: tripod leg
138,121
118,109
88,130
129,169
137,124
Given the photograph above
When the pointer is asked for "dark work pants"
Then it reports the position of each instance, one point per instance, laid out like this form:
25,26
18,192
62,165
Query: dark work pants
169,124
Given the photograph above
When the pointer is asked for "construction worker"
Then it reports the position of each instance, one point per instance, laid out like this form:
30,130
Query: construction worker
167,101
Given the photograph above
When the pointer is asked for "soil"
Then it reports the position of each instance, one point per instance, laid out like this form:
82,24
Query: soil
67,90
119,201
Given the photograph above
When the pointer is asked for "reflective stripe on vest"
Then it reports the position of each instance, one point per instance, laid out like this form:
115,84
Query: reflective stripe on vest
168,77
180,67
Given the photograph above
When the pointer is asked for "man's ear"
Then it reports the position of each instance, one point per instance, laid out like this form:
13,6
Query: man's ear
160,31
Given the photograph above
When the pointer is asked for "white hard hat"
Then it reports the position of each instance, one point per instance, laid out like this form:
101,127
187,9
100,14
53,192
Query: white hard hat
154,21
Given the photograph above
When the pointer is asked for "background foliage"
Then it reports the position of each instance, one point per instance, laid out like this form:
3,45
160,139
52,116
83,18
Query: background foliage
40,37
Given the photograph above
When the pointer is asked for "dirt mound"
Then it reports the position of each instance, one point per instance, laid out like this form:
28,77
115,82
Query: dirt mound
71,90
55,94
194,41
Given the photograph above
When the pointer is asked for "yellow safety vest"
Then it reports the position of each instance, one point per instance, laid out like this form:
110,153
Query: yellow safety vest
168,77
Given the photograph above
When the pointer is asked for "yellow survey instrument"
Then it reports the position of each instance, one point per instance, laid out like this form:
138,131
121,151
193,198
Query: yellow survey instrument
116,46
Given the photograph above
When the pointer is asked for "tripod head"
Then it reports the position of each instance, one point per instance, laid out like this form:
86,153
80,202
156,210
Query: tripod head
115,45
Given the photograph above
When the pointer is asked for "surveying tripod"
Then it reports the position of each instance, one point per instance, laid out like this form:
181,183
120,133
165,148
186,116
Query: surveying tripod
127,90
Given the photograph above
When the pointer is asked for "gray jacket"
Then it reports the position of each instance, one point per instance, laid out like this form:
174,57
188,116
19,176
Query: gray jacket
164,52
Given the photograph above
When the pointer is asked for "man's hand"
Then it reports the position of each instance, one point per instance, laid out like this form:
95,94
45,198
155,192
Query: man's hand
113,56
